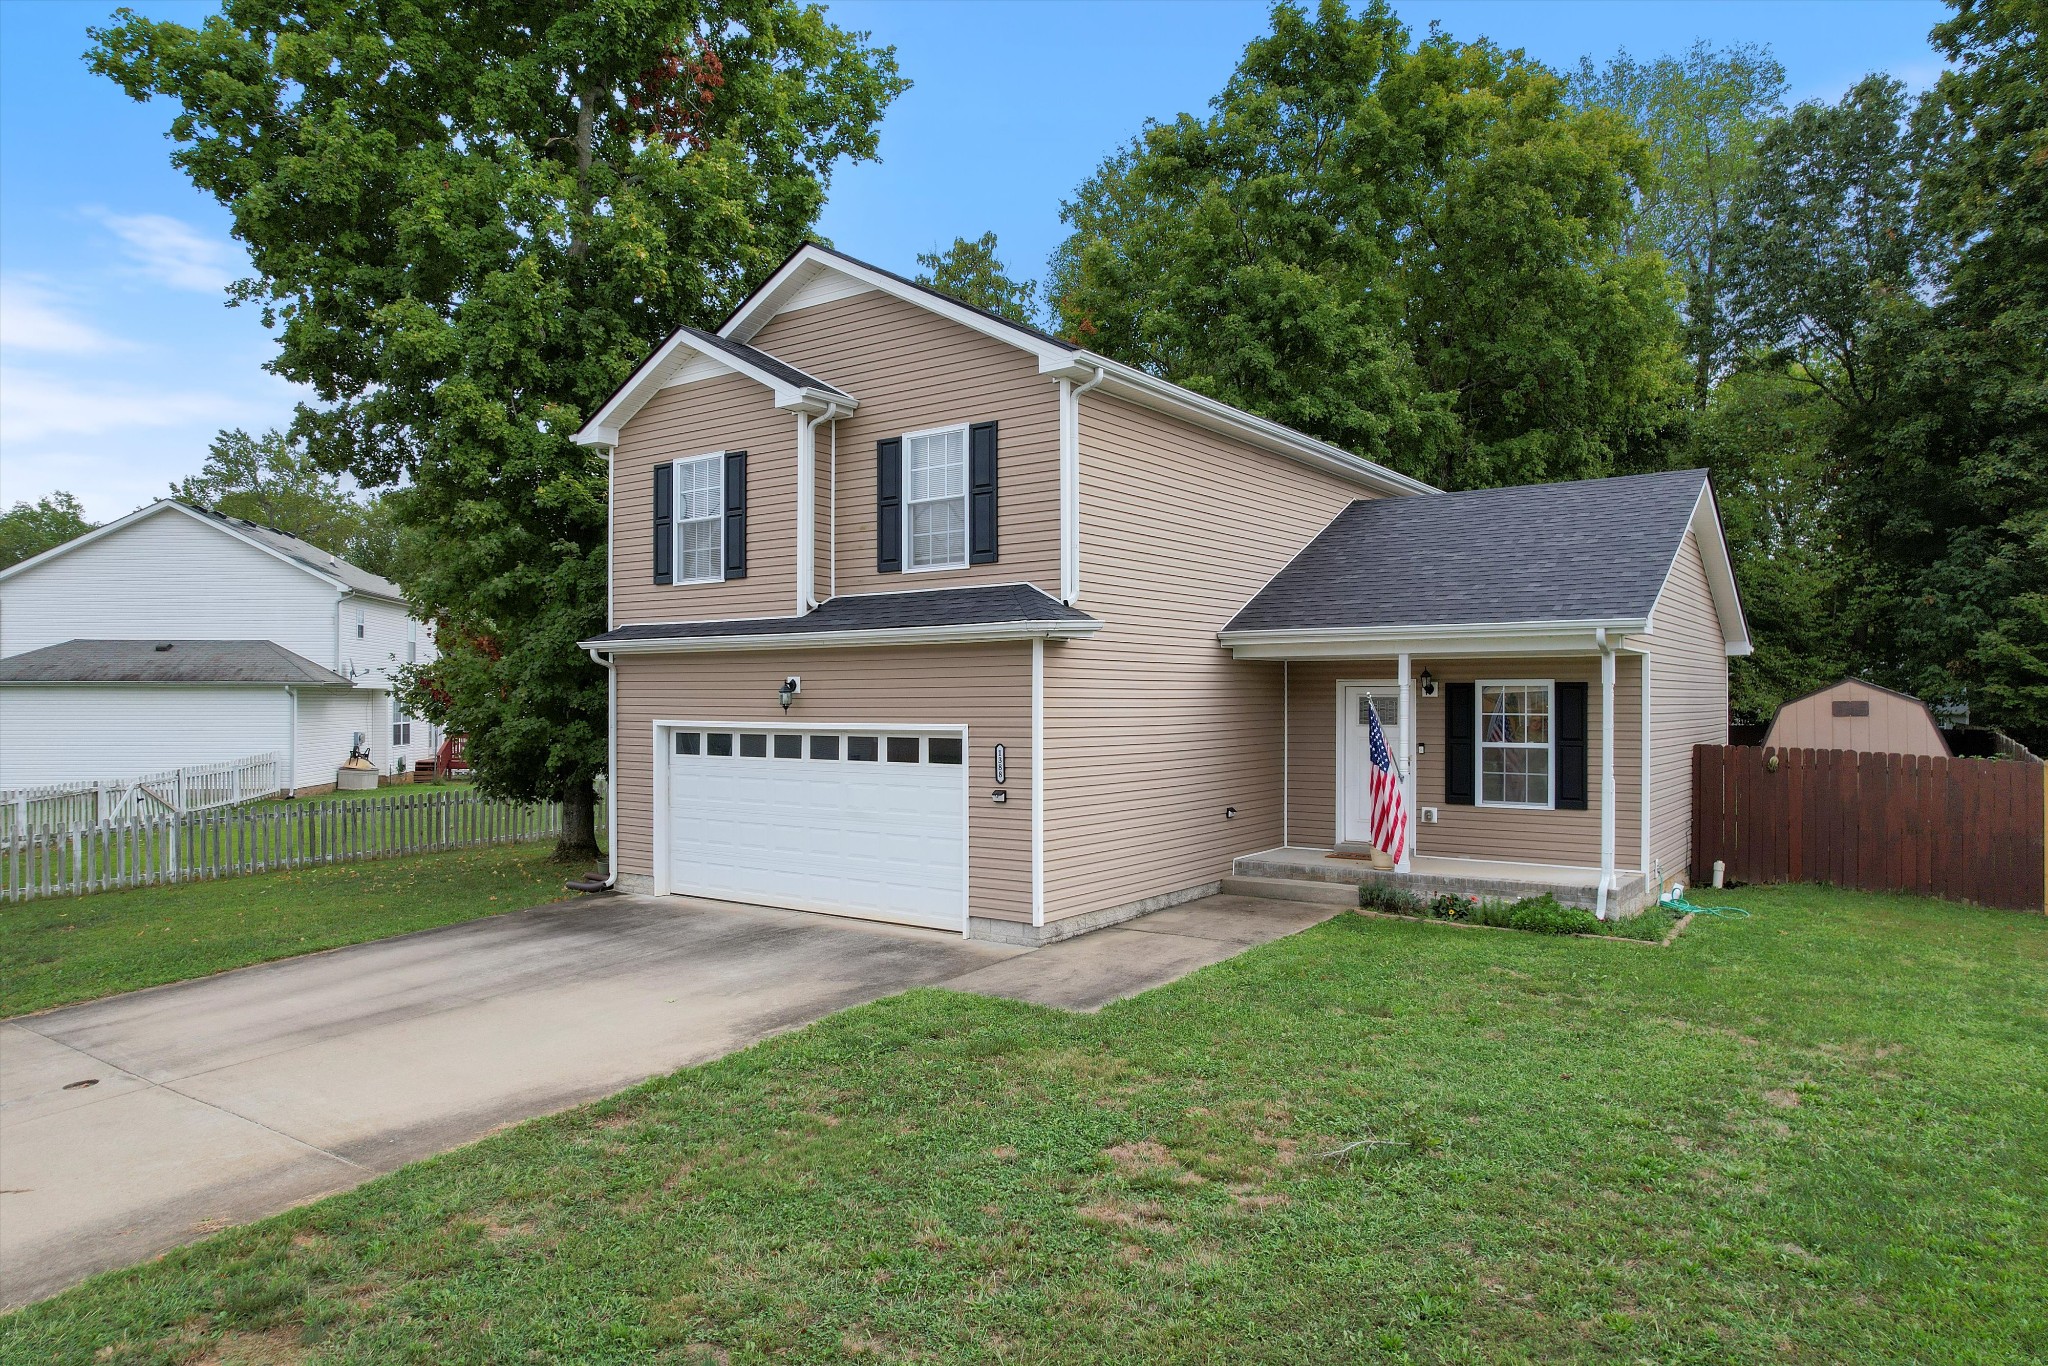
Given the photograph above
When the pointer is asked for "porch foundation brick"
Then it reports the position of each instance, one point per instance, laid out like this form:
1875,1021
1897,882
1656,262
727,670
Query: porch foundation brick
1630,896
1033,936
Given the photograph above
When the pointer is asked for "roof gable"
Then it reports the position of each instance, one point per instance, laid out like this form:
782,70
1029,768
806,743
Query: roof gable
300,554
691,349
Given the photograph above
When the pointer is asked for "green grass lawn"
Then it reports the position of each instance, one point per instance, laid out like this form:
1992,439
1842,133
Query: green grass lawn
450,788
75,948
1817,1135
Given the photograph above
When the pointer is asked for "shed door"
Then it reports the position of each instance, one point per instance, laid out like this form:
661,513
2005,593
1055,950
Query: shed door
852,822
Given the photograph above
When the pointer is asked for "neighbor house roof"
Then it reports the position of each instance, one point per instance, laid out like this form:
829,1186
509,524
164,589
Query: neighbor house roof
1587,555
1014,611
166,661
301,554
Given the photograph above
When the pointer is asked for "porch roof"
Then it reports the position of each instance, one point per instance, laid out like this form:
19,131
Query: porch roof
1544,564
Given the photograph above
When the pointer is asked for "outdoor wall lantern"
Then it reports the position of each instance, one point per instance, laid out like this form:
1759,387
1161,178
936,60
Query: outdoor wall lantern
790,688
1428,684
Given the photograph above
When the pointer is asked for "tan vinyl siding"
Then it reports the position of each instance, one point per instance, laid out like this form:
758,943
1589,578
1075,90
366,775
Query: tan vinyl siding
728,413
912,370
1489,832
986,688
1152,729
1893,724
1688,701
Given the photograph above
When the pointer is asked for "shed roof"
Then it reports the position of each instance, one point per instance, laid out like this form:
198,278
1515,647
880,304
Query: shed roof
167,661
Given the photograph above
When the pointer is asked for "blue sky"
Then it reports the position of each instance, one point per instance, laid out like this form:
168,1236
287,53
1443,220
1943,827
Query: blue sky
119,360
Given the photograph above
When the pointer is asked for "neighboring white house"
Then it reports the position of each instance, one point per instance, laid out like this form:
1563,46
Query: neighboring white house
177,636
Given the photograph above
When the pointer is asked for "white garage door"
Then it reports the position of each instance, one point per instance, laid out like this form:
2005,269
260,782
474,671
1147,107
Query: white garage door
855,822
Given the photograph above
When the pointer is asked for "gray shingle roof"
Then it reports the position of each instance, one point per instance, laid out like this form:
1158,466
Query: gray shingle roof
1597,549
166,661
993,605
308,554
761,360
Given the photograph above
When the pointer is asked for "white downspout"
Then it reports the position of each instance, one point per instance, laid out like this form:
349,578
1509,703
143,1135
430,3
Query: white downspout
611,766
1038,780
832,517
1286,760
1606,770
1070,486
291,735
807,505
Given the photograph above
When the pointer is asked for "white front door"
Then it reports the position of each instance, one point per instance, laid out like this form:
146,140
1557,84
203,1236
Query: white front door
1354,778
854,821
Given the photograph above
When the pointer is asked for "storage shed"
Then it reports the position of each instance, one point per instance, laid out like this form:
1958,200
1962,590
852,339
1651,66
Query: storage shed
1856,715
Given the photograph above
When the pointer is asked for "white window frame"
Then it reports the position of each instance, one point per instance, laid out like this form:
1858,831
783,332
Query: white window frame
362,632
412,641
677,523
1480,744
966,501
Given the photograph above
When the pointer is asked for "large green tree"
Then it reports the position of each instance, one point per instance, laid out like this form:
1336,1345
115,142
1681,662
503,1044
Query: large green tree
28,529
972,272
1702,113
1945,469
468,224
1414,251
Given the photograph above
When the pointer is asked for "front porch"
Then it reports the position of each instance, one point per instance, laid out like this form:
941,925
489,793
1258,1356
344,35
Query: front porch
1433,875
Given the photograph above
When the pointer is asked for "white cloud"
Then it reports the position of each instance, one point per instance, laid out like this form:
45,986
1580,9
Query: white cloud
37,404
172,251
32,318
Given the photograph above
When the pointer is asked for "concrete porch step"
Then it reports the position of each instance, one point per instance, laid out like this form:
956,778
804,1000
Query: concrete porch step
1292,889
1323,878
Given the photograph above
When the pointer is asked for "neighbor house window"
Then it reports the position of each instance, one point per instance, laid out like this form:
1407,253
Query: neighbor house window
412,641
1514,743
935,498
700,519
401,729
359,623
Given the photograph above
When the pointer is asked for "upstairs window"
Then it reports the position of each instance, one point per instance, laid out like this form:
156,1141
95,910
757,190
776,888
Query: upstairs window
935,498
412,641
700,519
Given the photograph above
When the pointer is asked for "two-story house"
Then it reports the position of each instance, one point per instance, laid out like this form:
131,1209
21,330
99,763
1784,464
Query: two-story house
922,615
177,636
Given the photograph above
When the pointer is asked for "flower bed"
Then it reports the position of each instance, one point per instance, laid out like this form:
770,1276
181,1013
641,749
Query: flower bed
1536,914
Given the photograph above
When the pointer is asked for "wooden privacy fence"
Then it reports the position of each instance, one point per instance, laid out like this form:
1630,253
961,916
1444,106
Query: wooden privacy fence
1965,829
151,849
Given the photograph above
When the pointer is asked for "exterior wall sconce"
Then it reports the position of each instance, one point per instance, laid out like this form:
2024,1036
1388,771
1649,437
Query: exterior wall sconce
1428,684
790,688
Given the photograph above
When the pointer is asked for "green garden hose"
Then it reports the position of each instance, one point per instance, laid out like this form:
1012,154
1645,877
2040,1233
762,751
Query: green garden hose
1675,899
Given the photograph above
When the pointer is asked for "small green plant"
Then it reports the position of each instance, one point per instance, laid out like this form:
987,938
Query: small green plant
1392,900
1546,915
1495,913
1451,906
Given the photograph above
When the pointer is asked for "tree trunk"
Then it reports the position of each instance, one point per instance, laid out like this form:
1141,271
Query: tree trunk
578,842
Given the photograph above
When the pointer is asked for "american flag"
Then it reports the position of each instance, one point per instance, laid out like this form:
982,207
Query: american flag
1389,812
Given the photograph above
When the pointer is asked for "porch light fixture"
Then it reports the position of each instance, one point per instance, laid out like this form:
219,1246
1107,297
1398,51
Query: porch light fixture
790,688
1428,684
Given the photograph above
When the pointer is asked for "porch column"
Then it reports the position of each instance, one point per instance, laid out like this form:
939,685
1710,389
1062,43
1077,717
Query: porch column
1606,772
1407,764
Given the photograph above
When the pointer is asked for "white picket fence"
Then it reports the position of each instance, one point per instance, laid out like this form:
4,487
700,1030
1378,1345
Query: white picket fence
194,787
151,849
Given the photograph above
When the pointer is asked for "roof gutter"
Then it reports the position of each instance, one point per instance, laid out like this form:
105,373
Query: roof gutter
1569,636
982,633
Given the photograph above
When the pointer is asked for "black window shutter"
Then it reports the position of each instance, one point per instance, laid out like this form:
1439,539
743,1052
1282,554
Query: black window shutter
735,514
889,505
664,523
981,493
1569,746
1461,761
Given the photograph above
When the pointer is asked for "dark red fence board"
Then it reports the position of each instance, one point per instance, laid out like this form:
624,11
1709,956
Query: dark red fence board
1965,829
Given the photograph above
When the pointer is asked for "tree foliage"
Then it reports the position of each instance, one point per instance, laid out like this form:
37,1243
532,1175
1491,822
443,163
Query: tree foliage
1702,113
28,529
468,225
971,272
1414,251
274,481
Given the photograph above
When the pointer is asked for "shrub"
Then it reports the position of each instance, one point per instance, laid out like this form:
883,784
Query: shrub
1373,896
1545,915
1495,913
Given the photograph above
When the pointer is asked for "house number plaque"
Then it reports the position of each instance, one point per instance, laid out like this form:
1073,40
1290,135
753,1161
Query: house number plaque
1002,764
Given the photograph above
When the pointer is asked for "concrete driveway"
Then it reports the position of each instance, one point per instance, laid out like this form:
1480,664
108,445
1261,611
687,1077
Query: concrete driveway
222,1100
